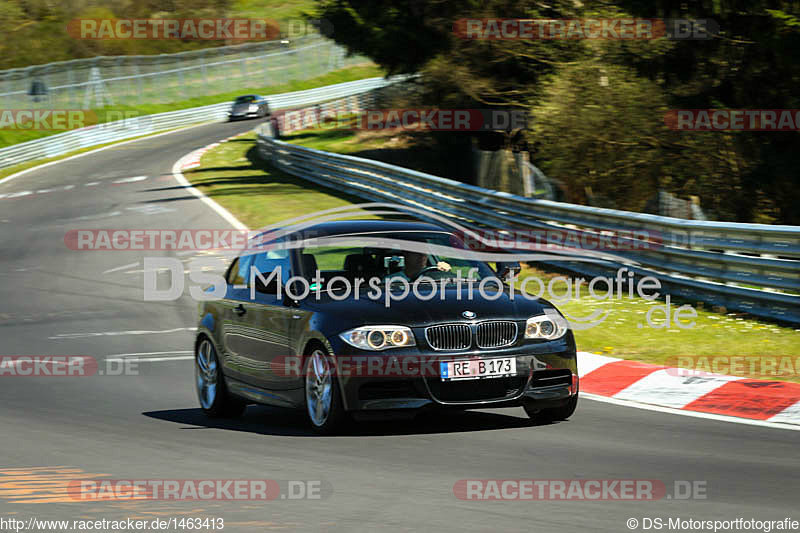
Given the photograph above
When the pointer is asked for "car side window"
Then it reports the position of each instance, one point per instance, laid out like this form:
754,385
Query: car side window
233,270
239,273
267,262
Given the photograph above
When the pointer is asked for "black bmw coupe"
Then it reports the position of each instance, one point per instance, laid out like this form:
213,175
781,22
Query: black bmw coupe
379,318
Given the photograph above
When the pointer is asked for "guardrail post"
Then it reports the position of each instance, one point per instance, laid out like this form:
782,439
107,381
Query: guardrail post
203,70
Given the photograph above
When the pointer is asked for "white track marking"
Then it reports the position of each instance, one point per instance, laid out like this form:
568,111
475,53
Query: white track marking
123,267
150,209
693,414
64,336
130,180
152,357
221,211
91,184
98,216
18,194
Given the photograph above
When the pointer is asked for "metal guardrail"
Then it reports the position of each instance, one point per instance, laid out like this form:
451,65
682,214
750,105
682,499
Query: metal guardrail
62,143
746,267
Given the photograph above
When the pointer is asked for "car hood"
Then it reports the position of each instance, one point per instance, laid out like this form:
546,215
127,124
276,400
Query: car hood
412,311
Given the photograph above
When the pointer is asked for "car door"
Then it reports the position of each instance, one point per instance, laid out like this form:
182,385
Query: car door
234,350
262,335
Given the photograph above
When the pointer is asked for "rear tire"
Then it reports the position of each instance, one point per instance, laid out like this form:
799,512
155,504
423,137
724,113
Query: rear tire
553,414
324,406
213,395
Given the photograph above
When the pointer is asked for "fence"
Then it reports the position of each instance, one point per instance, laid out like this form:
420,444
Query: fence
166,78
62,143
746,267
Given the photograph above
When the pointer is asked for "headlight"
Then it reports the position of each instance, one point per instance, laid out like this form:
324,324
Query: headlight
253,108
379,337
548,326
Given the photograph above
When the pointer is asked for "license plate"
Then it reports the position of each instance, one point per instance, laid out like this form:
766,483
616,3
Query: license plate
478,368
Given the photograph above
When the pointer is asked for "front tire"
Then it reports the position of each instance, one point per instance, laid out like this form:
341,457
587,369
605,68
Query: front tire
215,400
323,398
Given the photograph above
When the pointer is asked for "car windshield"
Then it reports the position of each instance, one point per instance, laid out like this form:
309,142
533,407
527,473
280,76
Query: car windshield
246,99
408,256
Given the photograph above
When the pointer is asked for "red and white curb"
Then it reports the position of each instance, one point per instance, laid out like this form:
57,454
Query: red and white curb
725,396
192,160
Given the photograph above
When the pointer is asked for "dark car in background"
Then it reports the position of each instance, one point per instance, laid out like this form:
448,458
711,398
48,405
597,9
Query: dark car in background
255,346
249,106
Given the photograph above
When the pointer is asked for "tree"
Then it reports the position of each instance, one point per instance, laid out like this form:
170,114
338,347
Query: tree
610,137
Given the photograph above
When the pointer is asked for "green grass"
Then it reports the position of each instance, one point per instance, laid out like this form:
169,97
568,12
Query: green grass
341,141
257,194
9,137
713,334
281,10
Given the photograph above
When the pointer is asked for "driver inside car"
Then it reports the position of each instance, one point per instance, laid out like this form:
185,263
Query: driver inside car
414,264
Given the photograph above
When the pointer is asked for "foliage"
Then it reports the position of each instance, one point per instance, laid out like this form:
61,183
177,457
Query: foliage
35,31
598,106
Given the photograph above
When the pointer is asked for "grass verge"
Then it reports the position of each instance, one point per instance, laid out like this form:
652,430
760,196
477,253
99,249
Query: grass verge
626,334
257,194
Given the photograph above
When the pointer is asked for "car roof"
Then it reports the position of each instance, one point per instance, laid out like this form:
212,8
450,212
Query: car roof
346,227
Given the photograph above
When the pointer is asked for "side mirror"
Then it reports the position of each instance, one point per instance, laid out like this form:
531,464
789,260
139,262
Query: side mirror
508,267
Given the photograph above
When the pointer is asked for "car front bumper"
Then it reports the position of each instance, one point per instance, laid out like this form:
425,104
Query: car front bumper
242,116
547,376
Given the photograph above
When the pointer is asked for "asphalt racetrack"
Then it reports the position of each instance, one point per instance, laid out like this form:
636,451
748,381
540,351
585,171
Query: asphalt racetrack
398,475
